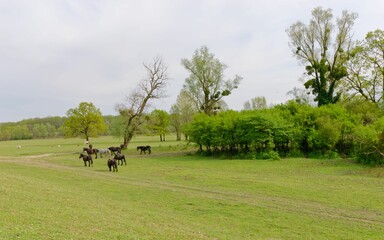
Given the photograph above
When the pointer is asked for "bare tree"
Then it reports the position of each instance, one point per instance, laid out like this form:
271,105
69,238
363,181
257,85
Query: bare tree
150,88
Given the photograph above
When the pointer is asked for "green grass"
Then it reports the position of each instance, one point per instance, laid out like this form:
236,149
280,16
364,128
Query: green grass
47,193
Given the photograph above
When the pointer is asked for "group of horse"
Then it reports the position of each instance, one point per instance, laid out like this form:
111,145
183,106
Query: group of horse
112,163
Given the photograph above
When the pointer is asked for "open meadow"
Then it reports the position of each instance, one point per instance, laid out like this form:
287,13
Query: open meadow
47,193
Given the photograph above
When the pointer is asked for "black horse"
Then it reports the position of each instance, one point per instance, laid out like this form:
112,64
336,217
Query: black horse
144,149
112,164
115,149
120,157
91,151
86,158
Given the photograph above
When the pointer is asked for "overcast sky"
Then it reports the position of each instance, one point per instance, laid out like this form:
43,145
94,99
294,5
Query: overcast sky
55,54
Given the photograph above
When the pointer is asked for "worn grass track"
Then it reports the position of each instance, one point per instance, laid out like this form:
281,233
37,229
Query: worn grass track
179,196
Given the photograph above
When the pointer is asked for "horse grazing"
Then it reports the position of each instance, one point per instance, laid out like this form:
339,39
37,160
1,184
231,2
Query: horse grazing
104,152
86,158
91,151
120,157
115,149
144,149
112,164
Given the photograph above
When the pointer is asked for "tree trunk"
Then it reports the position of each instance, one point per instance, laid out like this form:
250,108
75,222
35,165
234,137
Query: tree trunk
178,136
127,139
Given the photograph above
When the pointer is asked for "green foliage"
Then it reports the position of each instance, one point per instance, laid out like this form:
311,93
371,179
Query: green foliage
366,67
86,120
292,129
206,85
240,132
370,143
268,155
159,121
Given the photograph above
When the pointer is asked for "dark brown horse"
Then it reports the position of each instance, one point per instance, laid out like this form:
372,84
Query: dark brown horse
112,164
120,157
91,151
86,158
115,149
144,149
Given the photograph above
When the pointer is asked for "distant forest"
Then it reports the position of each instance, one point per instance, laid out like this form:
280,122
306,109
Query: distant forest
36,128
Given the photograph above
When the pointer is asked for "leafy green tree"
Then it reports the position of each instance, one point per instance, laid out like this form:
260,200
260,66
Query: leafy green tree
181,114
370,142
20,132
85,120
256,103
200,130
206,85
159,123
40,131
324,60
366,68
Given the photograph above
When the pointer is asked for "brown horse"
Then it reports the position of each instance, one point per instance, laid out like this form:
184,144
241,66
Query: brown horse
144,149
91,151
112,164
115,149
120,157
86,158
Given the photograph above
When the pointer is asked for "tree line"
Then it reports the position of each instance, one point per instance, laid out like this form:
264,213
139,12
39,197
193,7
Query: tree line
156,123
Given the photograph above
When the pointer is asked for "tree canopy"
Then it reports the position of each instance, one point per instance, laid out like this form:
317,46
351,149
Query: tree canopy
85,120
206,85
322,46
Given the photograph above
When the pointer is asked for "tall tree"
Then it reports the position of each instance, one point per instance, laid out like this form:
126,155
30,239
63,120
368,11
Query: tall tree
256,103
150,88
85,120
181,113
322,46
301,95
366,68
159,122
206,85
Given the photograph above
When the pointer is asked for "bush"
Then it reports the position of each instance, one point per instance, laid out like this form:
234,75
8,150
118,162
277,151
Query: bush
274,155
295,153
268,155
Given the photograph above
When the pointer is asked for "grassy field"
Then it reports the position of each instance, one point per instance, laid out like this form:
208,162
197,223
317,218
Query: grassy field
47,193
